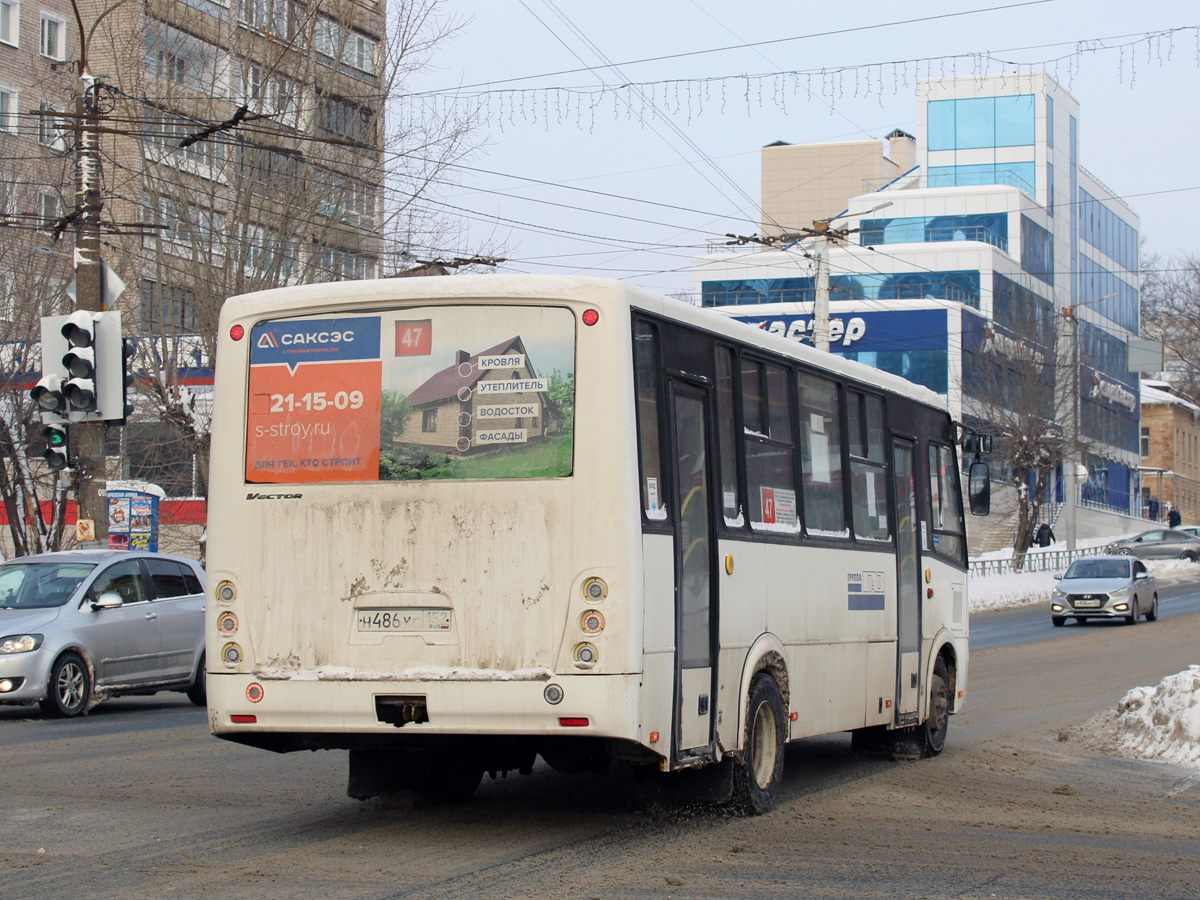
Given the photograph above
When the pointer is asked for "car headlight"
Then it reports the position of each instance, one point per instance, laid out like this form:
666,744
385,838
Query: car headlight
1119,593
20,643
1058,595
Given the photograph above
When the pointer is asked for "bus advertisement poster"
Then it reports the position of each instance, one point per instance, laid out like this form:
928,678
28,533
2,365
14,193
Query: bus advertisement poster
315,400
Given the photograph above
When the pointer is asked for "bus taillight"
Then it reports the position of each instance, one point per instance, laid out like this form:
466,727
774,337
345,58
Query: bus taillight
573,722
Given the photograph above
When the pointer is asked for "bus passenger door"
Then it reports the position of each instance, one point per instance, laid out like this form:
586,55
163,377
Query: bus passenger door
694,549
908,585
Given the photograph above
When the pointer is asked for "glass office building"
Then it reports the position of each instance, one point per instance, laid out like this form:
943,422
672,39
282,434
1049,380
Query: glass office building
981,245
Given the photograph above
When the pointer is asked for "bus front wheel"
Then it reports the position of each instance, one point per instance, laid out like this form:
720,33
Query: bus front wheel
938,720
759,769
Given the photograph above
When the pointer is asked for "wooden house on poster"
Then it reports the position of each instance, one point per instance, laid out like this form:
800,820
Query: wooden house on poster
489,399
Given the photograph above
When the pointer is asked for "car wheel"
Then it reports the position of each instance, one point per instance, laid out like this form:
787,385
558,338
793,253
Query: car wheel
198,692
759,769
69,689
1188,555
1059,621
1152,612
1125,551
1132,618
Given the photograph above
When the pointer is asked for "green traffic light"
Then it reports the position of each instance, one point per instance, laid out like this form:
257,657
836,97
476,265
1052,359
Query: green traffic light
54,436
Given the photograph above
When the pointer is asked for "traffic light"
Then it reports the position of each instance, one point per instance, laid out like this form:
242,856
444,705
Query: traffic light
48,395
85,363
80,361
58,446
128,352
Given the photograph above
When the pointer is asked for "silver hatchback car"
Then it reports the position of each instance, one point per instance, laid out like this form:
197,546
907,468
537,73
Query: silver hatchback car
1105,587
82,625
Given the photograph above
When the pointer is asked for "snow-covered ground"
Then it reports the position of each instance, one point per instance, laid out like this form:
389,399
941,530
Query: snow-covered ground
1160,722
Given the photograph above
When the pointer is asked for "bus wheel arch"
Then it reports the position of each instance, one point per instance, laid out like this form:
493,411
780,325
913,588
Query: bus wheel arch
949,659
766,655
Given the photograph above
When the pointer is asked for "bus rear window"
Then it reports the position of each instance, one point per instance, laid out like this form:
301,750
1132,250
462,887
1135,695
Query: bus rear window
412,394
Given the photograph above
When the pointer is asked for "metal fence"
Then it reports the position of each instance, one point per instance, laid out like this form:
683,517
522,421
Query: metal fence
1036,560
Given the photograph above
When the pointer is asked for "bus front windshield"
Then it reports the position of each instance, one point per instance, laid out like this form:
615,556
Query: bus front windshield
435,392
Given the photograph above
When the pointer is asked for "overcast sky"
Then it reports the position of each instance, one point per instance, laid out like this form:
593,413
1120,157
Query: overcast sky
691,172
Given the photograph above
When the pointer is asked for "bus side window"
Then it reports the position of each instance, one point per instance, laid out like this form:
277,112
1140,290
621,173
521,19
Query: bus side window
731,503
767,437
868,473
821,457
646,384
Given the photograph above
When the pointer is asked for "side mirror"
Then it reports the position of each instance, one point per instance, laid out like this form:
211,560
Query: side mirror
1141,575
979,489
1057,576
108,601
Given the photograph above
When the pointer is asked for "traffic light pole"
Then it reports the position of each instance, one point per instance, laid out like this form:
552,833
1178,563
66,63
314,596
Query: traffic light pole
88,437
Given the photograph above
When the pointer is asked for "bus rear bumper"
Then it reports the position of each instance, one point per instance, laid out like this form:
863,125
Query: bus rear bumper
340,713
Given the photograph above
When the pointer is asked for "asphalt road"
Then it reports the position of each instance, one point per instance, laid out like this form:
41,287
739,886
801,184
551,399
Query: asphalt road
1024,624
138,802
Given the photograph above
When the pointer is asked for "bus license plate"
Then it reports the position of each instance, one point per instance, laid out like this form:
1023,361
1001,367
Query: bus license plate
403,621
1087,604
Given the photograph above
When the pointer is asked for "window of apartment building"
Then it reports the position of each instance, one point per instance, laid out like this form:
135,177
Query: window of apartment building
8,110
273,17
10,22
52,129
54,37
8,306
184,59
1145,441
343,119
345,198
268,172
330,264
48,210
165,131
266,254
185,229
356,50
272,95
169,308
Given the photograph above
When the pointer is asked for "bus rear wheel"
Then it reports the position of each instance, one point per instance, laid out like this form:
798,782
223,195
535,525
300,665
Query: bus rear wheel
758,771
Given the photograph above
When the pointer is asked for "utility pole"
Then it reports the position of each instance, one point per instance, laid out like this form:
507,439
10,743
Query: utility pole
820,230
1070,465
88,443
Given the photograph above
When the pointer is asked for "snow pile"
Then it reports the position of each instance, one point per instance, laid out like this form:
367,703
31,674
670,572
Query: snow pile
1162,722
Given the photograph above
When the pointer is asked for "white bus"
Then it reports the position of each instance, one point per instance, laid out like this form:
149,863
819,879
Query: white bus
459,522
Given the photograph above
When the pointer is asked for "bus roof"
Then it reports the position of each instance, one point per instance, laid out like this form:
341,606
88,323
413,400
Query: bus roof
313,299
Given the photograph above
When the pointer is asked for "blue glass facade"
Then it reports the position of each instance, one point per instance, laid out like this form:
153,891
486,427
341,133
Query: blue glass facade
990,228
1120,298
1037,251
981,122
959,286
1022,312
1107,232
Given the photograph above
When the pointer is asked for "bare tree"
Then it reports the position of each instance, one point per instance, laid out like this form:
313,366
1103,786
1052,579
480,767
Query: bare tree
1015,389
257,150
34,272
1171,313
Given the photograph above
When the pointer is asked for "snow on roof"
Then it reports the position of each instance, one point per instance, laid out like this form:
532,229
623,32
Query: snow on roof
1160,392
